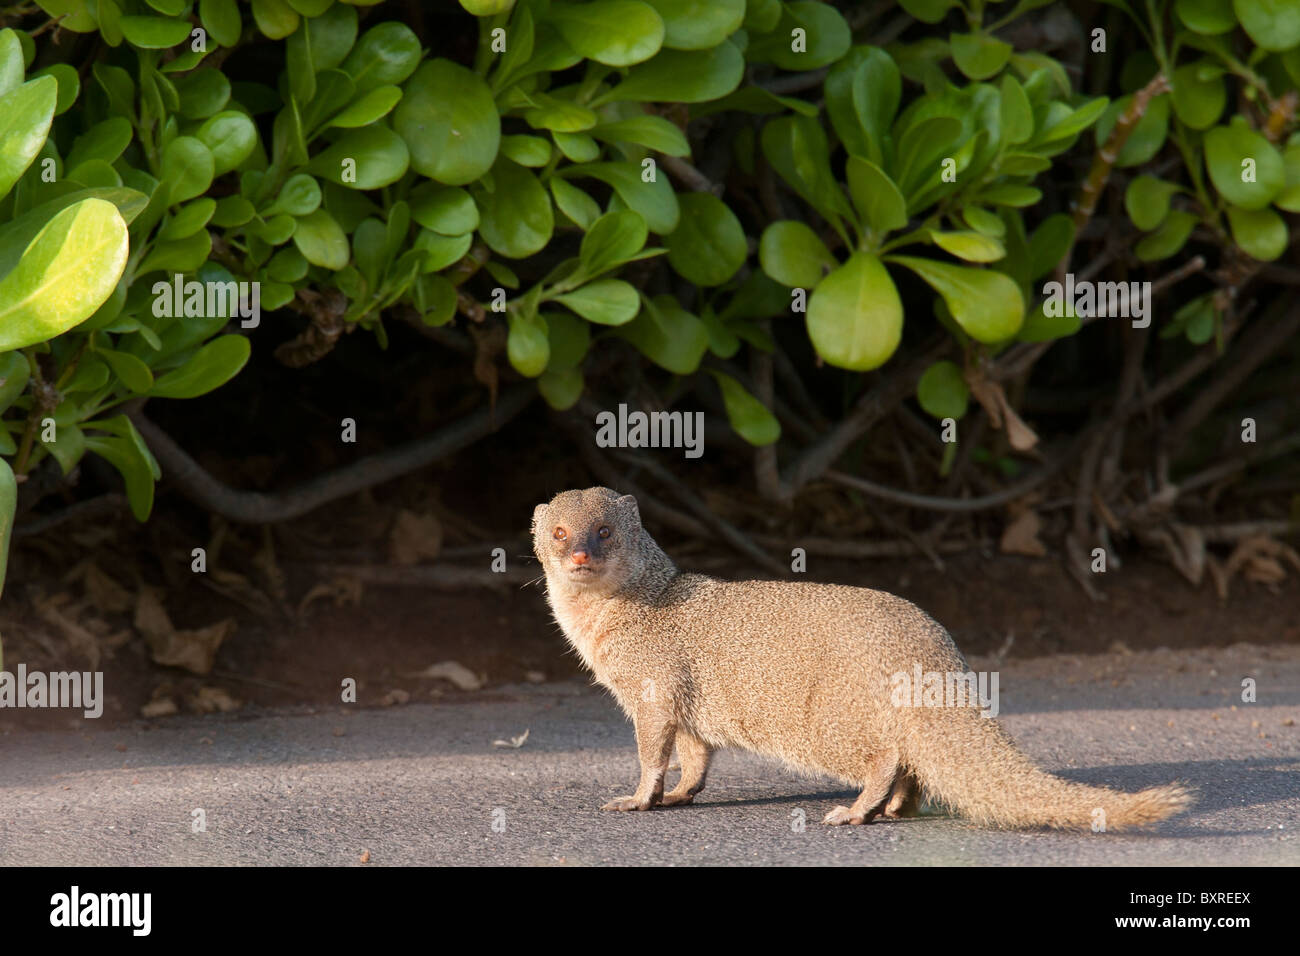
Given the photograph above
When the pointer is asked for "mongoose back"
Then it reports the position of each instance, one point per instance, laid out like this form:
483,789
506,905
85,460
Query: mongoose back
801,672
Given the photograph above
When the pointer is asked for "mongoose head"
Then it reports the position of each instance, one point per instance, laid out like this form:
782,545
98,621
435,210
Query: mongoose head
589,540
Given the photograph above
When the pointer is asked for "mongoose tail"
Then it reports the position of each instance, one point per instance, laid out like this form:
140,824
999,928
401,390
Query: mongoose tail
975,769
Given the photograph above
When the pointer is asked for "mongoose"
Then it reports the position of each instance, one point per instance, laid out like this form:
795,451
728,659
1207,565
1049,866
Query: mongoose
801,672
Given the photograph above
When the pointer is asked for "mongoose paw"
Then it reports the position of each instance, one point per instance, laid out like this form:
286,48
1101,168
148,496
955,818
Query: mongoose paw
839,816
676,799
629,803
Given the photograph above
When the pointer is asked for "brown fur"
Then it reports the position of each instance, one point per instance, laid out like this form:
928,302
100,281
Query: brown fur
796,671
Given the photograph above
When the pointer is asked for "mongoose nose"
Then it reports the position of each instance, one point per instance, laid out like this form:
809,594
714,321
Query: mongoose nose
580,557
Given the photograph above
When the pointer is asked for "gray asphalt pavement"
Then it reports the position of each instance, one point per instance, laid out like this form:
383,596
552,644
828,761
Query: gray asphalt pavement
423,783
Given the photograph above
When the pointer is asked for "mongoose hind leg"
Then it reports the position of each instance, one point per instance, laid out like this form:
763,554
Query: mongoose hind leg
882,770
694,754
904,796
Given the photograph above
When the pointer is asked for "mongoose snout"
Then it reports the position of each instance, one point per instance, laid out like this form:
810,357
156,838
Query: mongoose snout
805,673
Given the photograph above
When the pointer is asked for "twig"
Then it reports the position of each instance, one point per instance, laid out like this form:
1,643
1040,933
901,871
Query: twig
690,177
930,503
258,508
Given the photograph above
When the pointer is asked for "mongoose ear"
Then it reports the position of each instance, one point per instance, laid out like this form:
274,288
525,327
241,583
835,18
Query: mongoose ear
626,505
538,514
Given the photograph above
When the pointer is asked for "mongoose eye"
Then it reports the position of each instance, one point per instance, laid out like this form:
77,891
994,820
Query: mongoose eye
560,534
603,532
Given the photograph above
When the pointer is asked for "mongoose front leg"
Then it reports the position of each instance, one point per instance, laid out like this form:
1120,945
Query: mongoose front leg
654,745
694,754
880,773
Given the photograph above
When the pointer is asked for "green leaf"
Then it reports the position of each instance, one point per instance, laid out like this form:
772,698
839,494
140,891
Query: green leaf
1017,115
516,219
1199,101
577,147
971,246
1147,201
154,33
210,367
1050,243
14,375
668,335
530,151
796,148
1260,232
386,55
708,245
202,92
986,304
698,24
12,64
179,255
131,371
826,37
65,274
613,32
221,19
188,220
655,201
570,338
321,240
855,317
299,196
1235,155
25,115
978,55
942,391
574,203
559,115
1169,238
231,137
928,11
1272,24
528,346
187,168
653,132
792,254
561,389
449,210
605,301
612,240
371,106
106,141
1041,327
862,96
748,416
682,76
875,197
275,18
1289,198
449,120
69,85
1207,17
380,156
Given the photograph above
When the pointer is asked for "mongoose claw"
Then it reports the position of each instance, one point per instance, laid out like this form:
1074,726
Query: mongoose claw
629,803
842,815
677,799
